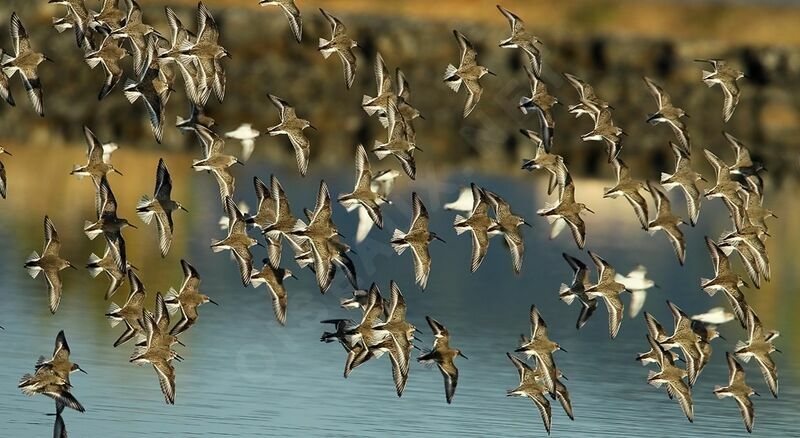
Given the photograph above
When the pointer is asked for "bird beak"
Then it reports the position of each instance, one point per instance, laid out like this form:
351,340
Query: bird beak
180,343
721,337
73,266
313,127
590,210
7,152
133,267
562,349
564,377
82,370
260,244
493,74
117,171
526,223
183,208
779,351
239,162
294,276
755,393
460,354
421,117
48,59
417,330
133,226
439,238
213,302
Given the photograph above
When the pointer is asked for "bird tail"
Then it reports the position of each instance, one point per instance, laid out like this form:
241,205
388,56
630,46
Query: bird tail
94,265
650,375
709,290
91,233
717,390
398,244
457,221
130,95
325,52
33,270
565,294
113,314
171,300
453,81
143,210
741,345
25,385
93,62
215,247
380,151
366,100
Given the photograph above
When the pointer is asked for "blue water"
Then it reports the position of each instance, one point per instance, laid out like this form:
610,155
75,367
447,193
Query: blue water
244,375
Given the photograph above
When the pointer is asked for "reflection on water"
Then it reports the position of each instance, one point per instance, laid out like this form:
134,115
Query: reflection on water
246,376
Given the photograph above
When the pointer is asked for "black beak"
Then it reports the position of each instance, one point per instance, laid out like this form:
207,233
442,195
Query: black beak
213,302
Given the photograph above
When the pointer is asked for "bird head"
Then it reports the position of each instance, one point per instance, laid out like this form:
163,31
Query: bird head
76,367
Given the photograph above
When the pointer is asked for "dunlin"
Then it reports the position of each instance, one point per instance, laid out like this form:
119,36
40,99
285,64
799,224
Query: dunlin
292,126
25,61
685,338
468,72
49,384
670,114
530,387
759,345
726,281
317,233
292,13
507,224
187,299
443,356
478,224
341,44
96,167
382,184
738,389
273,277
130,313
160,207
237,241
589,103
522,39
726,77
362,195
542,348
685,178
107,264
50,263
552,163
397,143
542,103
577,289
628,187
136,32
606,131
215,161
671,376
385,94
417,238
107,55
109,224
151,89
570,211
666,221
609,290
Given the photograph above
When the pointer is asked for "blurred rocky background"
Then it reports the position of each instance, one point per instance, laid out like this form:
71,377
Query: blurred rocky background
610,44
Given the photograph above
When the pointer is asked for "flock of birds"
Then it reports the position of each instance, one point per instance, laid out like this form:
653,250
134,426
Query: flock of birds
107,36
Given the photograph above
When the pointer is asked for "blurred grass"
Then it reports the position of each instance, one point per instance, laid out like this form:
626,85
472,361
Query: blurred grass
736,23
